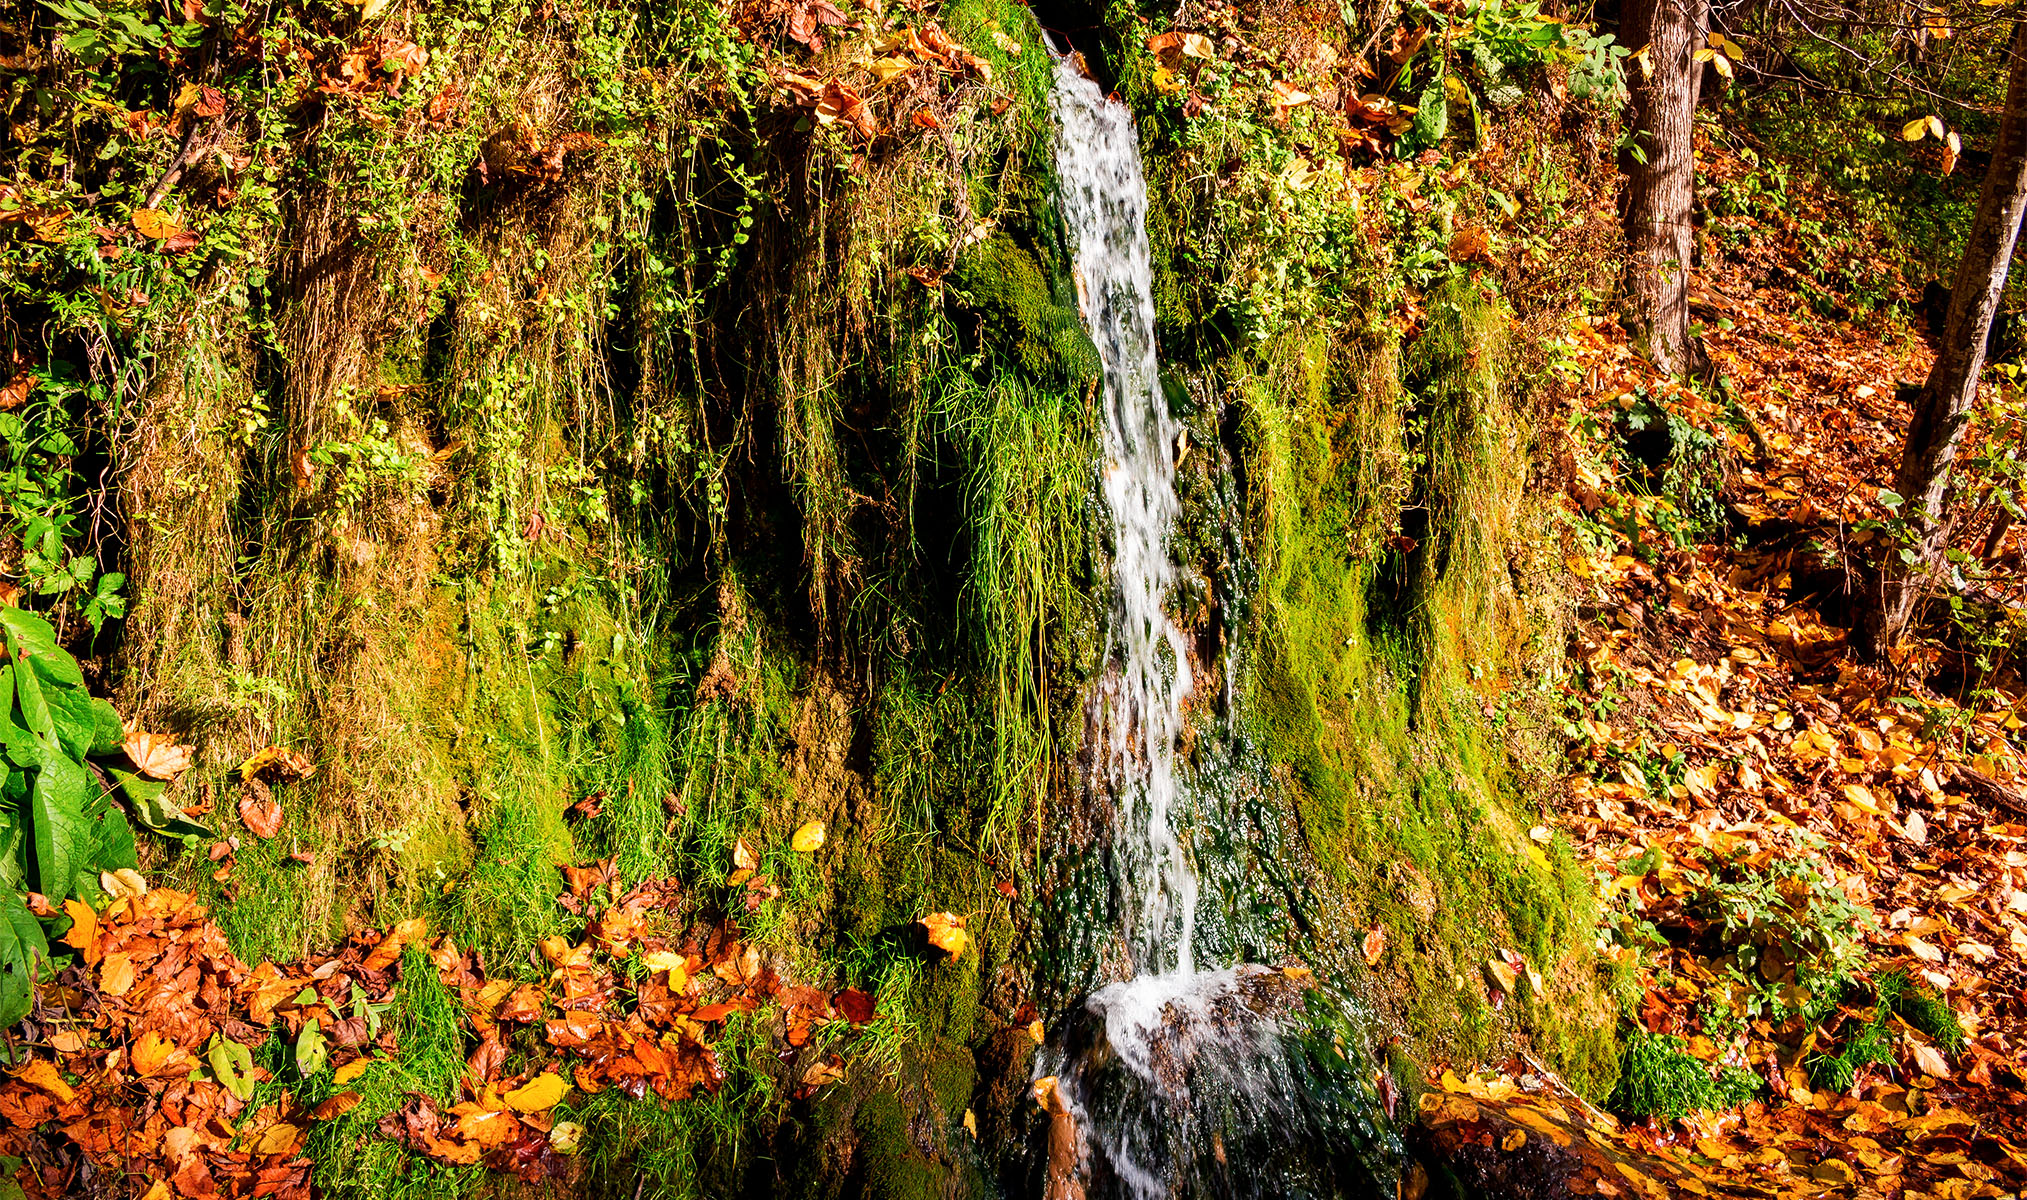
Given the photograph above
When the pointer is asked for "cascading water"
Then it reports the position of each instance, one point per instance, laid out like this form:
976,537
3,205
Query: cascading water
1176,1080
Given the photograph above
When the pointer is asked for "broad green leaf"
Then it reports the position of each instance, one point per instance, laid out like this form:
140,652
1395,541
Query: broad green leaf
29,635
1432,119
60,833
23,953
231,1063
112,838
12,853
108,734
35,710
71,710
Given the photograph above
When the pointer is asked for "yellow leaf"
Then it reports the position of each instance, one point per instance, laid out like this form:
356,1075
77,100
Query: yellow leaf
1705,55
1036,1032
42,1073
1196,45
971,1122
1514,1140
1935,126
946,932
885,69
1722,64
538,1094
742,856
154,1053
279,1139
1913,130
157,225
1167,81
808,838
350,1071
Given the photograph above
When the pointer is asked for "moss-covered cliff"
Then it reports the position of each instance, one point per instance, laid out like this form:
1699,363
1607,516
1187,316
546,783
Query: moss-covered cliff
632,433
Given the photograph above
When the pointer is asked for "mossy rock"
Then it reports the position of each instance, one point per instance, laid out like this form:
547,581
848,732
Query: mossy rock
1029,320
894,1168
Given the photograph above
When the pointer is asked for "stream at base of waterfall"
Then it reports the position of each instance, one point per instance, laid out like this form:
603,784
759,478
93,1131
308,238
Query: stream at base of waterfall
1175,1080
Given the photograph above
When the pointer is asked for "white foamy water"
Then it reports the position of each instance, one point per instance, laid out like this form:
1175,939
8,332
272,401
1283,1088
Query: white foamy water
1179,1081
1161,1023
1105,206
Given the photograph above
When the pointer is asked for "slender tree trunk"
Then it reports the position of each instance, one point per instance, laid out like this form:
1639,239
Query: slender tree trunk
1661,191
1943,407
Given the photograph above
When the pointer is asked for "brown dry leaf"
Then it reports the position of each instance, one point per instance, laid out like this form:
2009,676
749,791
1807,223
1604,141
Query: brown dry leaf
821,1073
1471,243
946,932
389,950
261,812
157,755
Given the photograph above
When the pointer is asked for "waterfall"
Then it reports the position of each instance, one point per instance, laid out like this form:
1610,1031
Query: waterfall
1104,204
1177,1079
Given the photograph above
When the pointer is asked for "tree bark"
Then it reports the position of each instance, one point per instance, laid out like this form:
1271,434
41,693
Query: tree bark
1943,407
1661,190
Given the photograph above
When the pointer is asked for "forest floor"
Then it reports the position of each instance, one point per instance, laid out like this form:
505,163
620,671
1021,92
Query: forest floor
1824,856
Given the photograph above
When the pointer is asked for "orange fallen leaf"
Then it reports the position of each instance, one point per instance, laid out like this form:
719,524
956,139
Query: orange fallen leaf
43,1074
389,950
84,930
946,932
261,812
157,755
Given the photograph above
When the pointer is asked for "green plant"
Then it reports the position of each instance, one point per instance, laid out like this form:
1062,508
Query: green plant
1793,939
39,487
1895,994
1658,1077
59,825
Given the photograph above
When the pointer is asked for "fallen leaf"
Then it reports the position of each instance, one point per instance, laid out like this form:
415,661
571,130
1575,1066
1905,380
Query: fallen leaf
261,812
43,1074
808,838
538,1094
946,932
156,225
156,755
84,930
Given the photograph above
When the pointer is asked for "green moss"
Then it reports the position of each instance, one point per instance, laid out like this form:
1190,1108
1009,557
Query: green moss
1030,320
895,1168
953,1074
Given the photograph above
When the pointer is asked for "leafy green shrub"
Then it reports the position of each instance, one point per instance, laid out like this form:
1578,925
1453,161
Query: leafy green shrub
59,825
1794,939
1659,1077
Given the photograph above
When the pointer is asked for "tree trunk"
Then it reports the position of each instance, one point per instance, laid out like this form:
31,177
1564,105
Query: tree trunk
1943,407
1661,191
